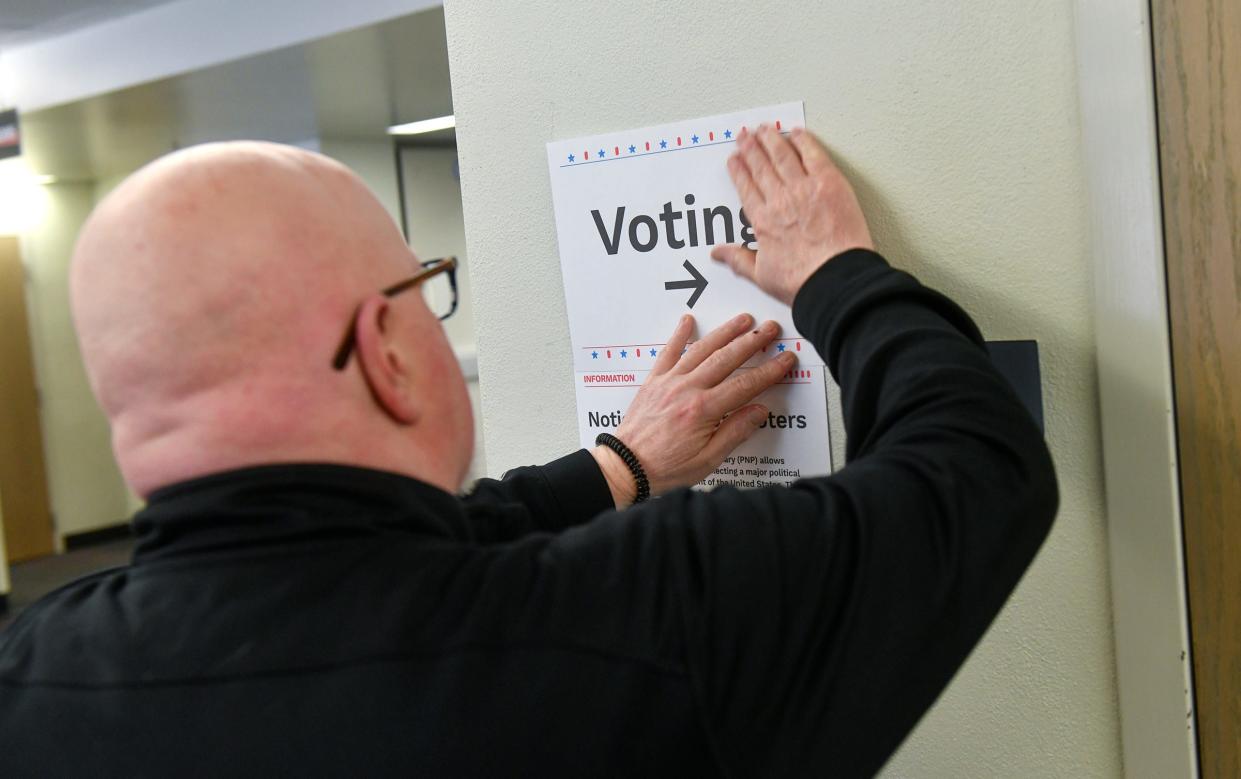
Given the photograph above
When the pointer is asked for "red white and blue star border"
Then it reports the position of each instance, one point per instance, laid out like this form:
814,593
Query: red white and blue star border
661,145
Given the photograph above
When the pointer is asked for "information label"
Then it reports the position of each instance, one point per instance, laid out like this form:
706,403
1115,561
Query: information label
792,443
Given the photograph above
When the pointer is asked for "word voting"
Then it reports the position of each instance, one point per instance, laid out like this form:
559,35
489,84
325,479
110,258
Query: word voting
644,233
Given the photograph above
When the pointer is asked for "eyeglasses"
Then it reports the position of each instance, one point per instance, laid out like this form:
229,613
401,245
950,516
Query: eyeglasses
442,302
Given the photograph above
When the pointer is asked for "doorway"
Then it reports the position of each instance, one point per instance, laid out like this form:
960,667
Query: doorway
24,504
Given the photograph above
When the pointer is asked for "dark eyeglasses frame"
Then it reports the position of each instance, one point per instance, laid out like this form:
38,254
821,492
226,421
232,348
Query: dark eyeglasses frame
430,268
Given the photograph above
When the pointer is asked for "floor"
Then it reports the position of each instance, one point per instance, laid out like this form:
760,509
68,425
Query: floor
33,579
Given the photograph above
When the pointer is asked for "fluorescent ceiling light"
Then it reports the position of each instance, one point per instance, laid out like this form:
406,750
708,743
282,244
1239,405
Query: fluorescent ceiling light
425,126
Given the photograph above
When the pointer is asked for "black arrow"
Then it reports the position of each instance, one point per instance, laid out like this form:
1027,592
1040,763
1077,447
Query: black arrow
698,284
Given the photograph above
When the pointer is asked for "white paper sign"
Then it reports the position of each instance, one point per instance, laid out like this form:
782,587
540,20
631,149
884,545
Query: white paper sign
637,213
793,443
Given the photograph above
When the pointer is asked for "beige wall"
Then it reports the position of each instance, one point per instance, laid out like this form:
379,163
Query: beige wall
959,124
84,483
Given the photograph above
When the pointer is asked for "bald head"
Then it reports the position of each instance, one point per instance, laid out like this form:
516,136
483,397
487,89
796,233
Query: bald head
209,292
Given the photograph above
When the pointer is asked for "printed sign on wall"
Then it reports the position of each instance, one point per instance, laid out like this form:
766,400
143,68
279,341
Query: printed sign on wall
793,442
637,213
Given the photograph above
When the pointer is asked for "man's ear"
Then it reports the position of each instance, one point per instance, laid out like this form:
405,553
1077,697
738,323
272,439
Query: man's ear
385,362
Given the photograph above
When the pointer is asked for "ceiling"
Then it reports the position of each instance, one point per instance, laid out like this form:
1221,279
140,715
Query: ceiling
26,21
351,85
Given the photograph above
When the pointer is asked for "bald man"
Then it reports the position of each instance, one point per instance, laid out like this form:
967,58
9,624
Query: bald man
308,596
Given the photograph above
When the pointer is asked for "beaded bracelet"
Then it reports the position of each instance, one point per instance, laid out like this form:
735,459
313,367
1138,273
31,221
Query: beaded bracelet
631,460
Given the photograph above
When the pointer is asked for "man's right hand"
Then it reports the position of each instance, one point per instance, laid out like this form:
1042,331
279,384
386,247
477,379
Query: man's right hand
802,208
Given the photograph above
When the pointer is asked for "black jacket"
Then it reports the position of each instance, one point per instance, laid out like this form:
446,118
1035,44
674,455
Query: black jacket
305,620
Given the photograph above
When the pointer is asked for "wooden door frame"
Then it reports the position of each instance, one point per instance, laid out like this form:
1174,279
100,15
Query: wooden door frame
1146,550
30,530
5,584
1197,48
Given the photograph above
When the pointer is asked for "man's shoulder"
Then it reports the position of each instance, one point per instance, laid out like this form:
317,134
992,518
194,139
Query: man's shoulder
58,628
235,617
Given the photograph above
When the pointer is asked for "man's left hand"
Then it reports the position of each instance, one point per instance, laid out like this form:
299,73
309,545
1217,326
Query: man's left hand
691,412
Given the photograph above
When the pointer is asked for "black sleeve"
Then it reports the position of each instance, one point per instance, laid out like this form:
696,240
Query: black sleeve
819,622
538,498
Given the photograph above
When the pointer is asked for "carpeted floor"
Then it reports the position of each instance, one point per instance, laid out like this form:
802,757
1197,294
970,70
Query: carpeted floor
33,579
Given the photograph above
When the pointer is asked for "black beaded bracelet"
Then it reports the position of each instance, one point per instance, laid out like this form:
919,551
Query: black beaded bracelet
631,460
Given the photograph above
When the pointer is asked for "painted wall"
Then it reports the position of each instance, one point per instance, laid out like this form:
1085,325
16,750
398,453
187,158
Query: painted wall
959,125
84,483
